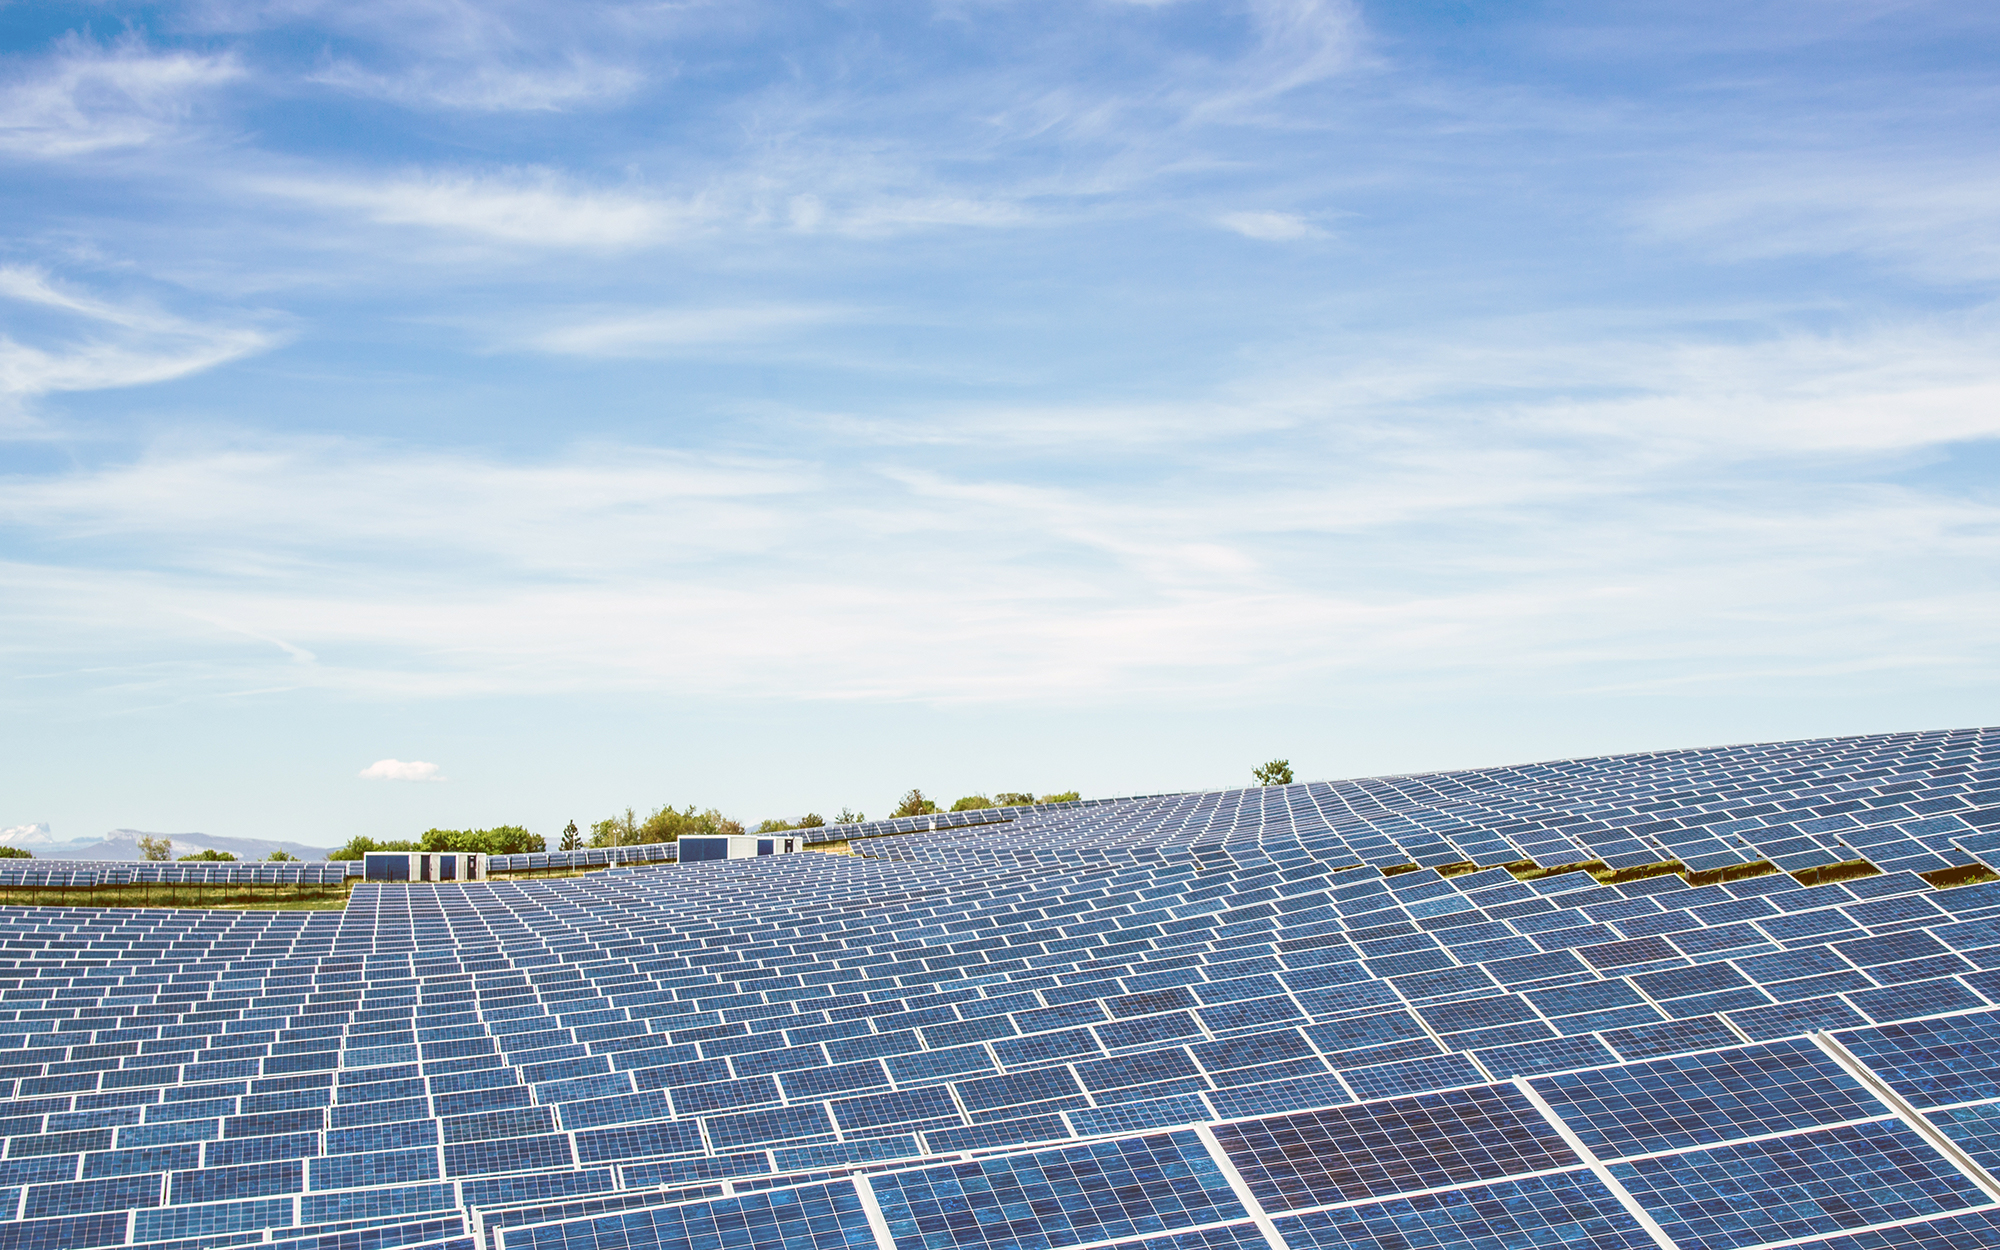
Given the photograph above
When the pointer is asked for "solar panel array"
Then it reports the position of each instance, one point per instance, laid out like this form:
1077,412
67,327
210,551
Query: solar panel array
71,873
1197,1022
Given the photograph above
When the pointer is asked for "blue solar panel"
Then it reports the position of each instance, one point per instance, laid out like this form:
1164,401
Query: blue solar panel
1059,1197
1408,1143
1116,968
817,1217
1693,1100
1934,1062
1562,1210
1813,1183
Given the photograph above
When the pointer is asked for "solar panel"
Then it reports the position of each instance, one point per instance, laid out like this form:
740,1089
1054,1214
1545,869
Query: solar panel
1813,1183
1692,1100
1403,1144
1564,1209
650,1039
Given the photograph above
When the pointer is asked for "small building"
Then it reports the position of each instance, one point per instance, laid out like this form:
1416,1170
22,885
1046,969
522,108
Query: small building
746,846
423,866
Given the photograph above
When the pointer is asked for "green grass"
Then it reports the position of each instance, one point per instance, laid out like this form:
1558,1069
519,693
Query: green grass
234,897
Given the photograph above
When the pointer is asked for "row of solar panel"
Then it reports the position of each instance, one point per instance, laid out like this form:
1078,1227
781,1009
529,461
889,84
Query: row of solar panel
1478,1164
1620,1114
763,885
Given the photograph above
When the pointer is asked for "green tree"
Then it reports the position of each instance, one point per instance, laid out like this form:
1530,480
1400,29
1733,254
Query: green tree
1066,796
667,823
212,856
812,820
773,826
153,848
361,844
1275,773
571,840
617,831
281,856
914,804
1014,798
973,803
847,817
499,840
15,852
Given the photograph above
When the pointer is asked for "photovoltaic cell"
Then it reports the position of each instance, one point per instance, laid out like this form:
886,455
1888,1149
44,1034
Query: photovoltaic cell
1812,1183
1567,1209
1424,1142
1950,1232
1934,1062
1975,1129
1058,1197
814,1217
1227,1237
753,1008
1693,1100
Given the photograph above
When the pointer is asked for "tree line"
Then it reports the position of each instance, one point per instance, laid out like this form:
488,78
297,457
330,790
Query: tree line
916,803
499,840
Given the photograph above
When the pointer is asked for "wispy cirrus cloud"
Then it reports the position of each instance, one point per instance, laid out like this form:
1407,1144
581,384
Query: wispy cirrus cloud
1271,227
92,343
486,88
534,207
87,97
470,56
663,332
907,586
1939,219
1443,542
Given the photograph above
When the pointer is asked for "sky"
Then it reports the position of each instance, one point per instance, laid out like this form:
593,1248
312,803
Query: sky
445,413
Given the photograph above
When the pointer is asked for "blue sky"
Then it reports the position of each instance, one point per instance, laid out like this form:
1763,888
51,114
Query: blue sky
777,406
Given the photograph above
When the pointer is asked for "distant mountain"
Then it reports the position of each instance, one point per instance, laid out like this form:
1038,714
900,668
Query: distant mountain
124,844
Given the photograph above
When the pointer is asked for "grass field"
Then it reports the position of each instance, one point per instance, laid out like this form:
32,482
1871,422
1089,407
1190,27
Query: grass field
238,897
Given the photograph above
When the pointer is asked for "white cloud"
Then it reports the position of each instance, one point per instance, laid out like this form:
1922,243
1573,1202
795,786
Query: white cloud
401,770
1938,219
108,344
1831,394
486,88
480,56
1361,526
1303,41
1271,227
88,98
665,331
530,206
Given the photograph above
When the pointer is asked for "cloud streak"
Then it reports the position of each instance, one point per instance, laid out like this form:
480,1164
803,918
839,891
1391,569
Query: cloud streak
1270,227
486,88
669,331
537,208
400,770
1641,542
89,98
105,344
